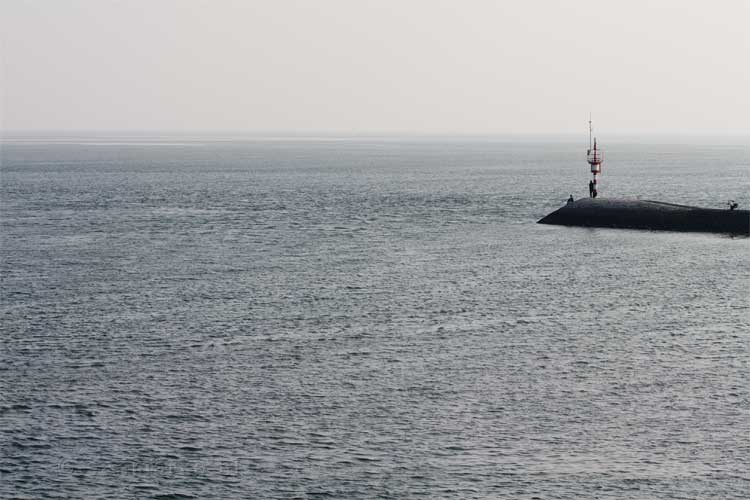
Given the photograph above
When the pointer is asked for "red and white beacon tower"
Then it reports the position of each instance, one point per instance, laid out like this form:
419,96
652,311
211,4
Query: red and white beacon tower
595,158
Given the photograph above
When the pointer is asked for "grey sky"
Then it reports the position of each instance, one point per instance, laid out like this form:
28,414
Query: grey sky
348,66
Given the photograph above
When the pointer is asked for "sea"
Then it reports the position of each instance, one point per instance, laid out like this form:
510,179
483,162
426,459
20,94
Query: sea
367,317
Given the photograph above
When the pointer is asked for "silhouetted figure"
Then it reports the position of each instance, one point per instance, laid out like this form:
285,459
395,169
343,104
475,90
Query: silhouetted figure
591,189
594,193
570,200
732,205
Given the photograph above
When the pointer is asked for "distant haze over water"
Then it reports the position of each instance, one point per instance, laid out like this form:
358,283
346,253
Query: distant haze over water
393,67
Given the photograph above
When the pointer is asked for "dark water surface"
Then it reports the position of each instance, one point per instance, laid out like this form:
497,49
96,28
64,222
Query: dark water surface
367,319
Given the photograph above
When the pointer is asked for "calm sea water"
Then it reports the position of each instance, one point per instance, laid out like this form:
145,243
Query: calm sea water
367,319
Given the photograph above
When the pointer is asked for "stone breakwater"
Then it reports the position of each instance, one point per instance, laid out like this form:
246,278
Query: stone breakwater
652,215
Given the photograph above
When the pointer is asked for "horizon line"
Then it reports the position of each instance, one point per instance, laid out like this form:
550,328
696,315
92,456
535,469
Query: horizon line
292,134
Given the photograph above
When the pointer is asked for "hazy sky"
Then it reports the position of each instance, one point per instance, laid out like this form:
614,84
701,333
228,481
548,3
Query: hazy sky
349,66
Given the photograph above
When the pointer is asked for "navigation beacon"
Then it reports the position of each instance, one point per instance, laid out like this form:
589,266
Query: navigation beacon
595,158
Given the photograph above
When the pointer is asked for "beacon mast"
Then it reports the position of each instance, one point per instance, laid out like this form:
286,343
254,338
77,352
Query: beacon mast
594,158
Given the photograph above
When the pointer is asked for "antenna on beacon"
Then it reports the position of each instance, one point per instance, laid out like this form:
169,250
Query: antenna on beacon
594,158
